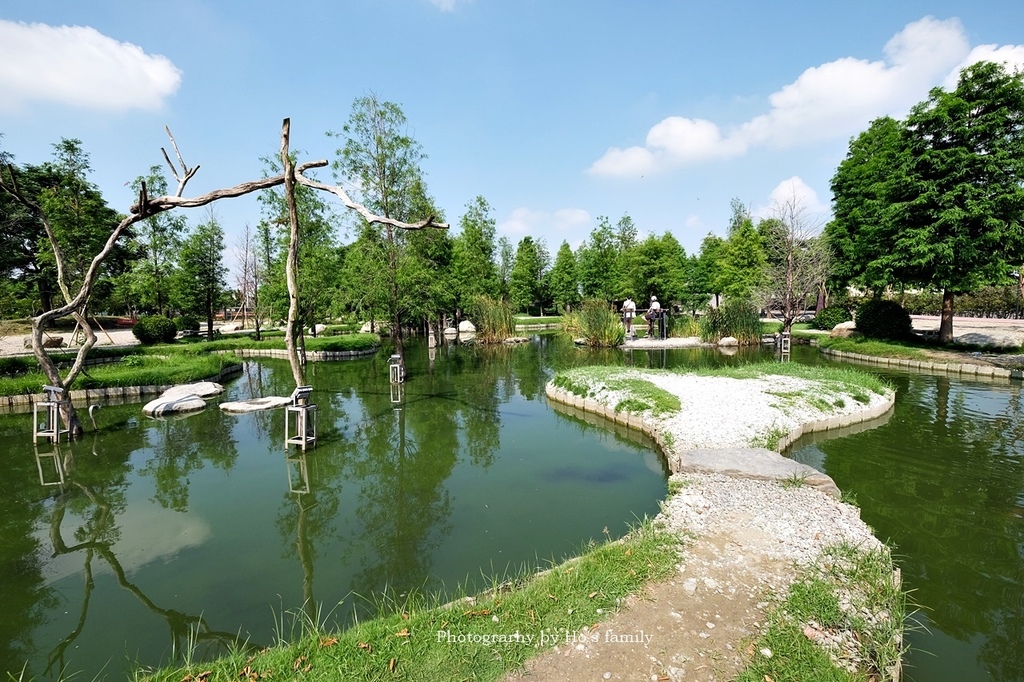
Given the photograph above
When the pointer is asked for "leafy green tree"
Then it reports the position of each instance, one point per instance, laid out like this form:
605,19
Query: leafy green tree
654,267
157,238
524,282
201,271
383,161
474,270
506,260
949,217
960,208
741,262
861,190
704,271
597,260
319,258
564,281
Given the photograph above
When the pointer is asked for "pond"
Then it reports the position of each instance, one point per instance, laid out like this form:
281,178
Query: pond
203,531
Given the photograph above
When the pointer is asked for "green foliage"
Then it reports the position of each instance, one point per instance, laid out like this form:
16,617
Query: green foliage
526,282
564,280
187,322
154,329
741,262
828,318
683,326
201,273
493,319
879,348
597,260
733,318
473,268
596,322
883,319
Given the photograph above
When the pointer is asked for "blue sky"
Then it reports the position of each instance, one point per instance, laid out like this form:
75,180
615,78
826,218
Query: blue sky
557,112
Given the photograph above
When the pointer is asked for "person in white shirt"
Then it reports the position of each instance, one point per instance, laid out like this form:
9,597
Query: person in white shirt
628,313
652,314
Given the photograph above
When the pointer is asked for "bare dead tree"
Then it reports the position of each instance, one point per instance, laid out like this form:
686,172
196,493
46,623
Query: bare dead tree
798,261
245,275
75,304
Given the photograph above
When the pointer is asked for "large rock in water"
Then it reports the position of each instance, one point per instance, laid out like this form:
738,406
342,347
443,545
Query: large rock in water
467,327
183,398
255,404
201,389
175,405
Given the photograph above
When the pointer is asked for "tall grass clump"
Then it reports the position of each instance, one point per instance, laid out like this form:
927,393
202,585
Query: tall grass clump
596,323
493,319
738,319
683,326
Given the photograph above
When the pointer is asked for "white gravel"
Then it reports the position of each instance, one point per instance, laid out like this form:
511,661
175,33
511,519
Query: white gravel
779,522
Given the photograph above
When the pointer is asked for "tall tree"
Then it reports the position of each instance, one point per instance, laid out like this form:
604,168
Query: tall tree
598,262
383,161
961,206
524,282
564,282
506,260
861,191
798,262
201,276
741,261
474,269
158,238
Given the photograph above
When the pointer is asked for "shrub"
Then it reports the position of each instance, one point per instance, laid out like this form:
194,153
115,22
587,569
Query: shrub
733,318
828,318
187,323
154,329
597,323
881,319
683,326
494,319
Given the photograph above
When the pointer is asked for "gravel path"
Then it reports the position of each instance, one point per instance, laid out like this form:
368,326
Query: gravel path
14,344
746,540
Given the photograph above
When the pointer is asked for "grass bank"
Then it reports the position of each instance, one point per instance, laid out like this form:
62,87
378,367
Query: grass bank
473,638
134,370
841,621
175,363
884,349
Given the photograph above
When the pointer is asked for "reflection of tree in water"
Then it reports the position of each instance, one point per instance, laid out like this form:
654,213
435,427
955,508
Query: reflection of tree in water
944,478
98,503
181,446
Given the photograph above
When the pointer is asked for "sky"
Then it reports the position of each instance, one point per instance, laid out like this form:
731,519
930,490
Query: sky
557,112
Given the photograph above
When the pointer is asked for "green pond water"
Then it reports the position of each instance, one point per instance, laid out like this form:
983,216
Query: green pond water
153,536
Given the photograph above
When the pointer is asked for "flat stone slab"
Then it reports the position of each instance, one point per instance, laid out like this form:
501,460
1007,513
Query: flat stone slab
755,463
175,405
255,404
201,389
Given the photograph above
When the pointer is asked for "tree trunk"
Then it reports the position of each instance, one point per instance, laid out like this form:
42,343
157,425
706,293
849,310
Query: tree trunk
946,323
292,263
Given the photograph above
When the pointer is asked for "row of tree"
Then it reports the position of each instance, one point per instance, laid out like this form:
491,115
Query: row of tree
933,202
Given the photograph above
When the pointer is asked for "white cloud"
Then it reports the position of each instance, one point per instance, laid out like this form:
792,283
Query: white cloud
79,66
1010,55
571,224
800,196
833,100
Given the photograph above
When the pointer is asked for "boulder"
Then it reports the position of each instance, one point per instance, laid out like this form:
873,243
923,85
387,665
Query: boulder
48,342
232,327
379,327
728,341
318,329
846,330
467,327
200,389
175,405
450,331
255,404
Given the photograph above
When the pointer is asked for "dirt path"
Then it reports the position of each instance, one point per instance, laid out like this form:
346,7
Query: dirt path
698,625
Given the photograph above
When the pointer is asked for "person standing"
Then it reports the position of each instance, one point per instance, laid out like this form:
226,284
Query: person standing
628,313
653,311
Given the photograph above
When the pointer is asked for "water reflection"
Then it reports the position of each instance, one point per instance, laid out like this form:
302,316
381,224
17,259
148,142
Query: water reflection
943,481
153,534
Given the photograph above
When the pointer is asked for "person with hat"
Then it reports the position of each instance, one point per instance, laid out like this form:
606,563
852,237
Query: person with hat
653,311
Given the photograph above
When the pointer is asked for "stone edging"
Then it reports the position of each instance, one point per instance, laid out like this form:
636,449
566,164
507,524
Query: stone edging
314,355
89,395
983,371
637,421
